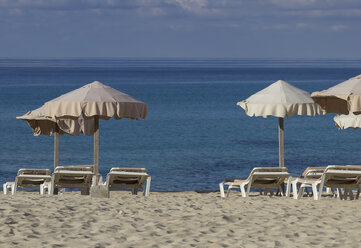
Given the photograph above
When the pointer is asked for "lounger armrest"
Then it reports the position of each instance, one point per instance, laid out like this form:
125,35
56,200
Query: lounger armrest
128,173
34,176
344,172
272,173
71,172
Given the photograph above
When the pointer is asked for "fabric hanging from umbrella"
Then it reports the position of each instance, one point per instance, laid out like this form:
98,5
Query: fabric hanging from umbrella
281,100
342,98
347,121
43,125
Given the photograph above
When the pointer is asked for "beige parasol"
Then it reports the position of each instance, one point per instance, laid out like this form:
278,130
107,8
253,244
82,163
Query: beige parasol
341,98
79,111
281,100
348,121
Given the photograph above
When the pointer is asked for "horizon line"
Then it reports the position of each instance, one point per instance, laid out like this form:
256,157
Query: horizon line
175,57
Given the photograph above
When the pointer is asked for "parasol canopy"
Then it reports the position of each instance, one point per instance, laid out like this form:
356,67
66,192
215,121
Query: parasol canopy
342,98
280,99
95,100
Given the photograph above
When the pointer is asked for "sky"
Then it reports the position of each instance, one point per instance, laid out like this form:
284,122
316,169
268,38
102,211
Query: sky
181,28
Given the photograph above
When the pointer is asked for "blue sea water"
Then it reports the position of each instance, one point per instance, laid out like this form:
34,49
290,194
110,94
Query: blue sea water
194,135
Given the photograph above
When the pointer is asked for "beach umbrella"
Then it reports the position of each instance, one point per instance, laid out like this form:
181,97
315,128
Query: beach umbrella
79,111
347,121
342,98
281,100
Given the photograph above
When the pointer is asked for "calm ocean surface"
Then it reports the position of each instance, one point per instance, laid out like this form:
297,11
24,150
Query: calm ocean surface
194,135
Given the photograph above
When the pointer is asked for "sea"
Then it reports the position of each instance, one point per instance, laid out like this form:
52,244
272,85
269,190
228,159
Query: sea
194,135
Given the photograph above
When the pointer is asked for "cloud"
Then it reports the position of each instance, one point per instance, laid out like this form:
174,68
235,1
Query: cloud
293,3
338,27
200,7
304,25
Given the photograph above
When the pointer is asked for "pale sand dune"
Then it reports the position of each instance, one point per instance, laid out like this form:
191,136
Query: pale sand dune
185,219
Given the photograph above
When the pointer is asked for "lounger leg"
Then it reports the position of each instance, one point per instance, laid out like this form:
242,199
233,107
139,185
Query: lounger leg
340,195
243,190
351,194
13,188
288,188
358,193
5,188
54,189
229,190
300,191
147,188
221,189
345,193
248,189
294,190
314,191
41,189
50,188
328,190
282,189
320,191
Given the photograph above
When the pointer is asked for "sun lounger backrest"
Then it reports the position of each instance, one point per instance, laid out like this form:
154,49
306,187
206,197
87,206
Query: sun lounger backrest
343,167
268,176
342,176
73,176
126,177
267,169
33,172
32,178
313,172
271,178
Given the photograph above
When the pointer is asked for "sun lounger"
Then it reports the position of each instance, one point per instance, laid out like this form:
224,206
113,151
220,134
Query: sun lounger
28,178
75,177
128,178
260,177
308,177
339,177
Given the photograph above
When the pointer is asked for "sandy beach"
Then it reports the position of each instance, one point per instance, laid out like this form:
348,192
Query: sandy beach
181,219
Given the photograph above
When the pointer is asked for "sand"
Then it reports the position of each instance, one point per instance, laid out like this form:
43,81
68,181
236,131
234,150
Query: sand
184,219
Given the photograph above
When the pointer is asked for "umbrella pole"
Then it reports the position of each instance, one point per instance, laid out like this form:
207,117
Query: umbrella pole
56,147
96,145
281,146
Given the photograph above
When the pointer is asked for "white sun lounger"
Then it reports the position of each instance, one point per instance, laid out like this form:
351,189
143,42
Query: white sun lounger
339,177
28,178
75,177
308,177
128,178
260,177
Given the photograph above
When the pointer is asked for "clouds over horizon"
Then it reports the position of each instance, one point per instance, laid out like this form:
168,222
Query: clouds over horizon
72,22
